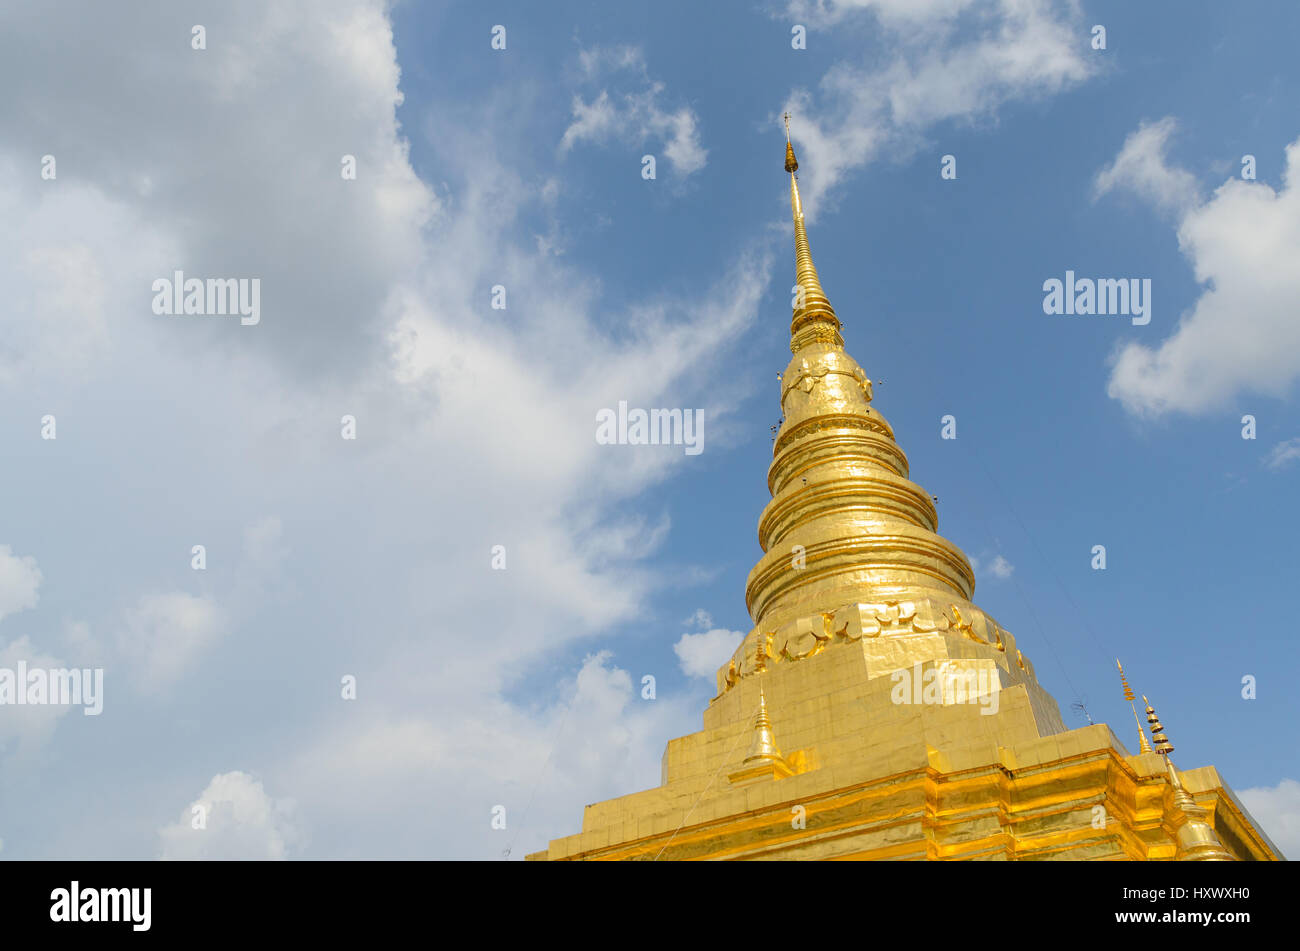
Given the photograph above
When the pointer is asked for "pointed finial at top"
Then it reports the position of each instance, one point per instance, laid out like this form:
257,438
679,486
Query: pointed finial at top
814,320
791,163
763,746
1128,691
1143,745
1163,746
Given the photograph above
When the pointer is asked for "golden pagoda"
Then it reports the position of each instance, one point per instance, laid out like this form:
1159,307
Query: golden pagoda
914,727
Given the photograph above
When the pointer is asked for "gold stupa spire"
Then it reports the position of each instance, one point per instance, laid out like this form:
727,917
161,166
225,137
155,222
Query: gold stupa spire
1163,746
845,525
854,587
1145,747
814,319
764,759
1197,840
763,748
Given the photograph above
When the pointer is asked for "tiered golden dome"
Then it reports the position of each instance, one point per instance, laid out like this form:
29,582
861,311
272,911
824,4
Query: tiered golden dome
845,523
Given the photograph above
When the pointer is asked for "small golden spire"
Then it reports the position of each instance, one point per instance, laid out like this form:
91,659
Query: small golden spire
763,748
791,163
1145,747
1163,746
764,759
814,318
1197,840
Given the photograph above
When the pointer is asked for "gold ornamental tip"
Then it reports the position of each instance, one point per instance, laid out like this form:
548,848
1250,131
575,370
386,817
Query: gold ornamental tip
814,320
791,163
1128,691
764,760
1143,745
763,747
1163,746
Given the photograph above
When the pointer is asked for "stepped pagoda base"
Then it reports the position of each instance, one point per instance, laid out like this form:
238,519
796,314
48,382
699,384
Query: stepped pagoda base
873,778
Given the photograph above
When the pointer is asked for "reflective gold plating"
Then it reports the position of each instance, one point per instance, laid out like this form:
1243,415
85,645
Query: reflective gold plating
845,524
1197,840
855,588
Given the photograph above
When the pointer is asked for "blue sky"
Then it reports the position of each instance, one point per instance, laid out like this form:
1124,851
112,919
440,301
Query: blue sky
522,167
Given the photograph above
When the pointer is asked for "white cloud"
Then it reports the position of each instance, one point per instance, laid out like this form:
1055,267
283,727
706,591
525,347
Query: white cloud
996,567
291,93
69,291
999,567
164,634
442,774
240,822
372,305
1277,809
26,728
1283,454
601,60
701,619
700,655
82,643
1023,49
1241,336
895,13
19,581
633,117
1141,167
